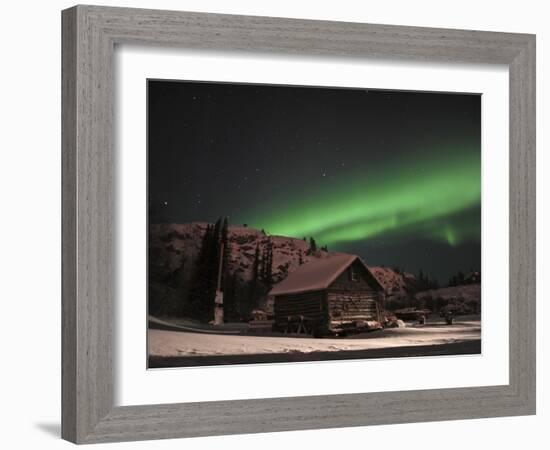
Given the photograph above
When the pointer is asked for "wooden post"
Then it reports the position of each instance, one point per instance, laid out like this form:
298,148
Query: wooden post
220,268
218,300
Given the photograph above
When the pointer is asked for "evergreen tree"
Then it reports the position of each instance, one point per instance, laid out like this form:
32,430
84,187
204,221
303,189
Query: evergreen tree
254,284
453,281
267,264
256,264
261,263
204,278
225,231
215,251
230,306
424,282
421,277
458,279
312,245
217,229
226,251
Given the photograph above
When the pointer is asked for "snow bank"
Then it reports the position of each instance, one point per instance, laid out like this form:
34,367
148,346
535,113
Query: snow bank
175,343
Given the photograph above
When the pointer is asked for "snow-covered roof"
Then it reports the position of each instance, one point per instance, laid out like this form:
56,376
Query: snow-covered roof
318,274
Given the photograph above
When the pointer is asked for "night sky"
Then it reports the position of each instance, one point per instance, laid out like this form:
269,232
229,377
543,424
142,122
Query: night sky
394,177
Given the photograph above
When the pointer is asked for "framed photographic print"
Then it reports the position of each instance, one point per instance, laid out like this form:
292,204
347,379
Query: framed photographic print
249,199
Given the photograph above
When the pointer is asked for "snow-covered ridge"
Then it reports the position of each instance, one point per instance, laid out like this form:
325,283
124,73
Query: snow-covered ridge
395,283
170,244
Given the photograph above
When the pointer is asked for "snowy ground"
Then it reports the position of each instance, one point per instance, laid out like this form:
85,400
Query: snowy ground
171,343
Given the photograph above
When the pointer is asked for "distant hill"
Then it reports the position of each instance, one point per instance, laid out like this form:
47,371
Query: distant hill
463,299
464,292
171,243
396,283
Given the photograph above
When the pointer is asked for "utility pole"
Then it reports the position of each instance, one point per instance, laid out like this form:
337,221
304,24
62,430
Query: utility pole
218,301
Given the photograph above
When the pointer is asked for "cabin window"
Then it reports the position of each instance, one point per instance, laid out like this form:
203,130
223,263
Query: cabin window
352,274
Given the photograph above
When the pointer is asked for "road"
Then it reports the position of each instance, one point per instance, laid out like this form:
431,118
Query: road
171,346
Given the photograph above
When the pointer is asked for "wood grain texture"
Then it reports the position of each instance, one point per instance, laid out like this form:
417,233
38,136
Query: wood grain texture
89,36
523,225
68,225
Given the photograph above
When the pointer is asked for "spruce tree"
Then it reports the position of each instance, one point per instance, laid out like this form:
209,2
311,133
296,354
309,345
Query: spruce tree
226,250
256,263
312,245
230,307
254,284
225,231
204,278
268,265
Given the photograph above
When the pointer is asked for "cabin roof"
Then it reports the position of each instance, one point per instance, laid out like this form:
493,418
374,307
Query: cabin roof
319,274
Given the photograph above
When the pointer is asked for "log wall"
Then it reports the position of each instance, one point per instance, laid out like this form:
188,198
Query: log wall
349,306
311,305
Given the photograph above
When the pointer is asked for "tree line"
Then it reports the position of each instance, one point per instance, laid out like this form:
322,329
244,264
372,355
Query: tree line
241,297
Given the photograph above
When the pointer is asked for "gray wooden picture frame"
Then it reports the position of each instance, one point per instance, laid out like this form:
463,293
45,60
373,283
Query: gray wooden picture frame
89,37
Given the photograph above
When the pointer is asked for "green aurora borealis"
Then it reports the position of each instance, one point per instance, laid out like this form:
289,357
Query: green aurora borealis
391,176
424,199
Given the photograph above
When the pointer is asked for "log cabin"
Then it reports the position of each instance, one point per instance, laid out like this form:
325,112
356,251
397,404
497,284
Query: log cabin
335,295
